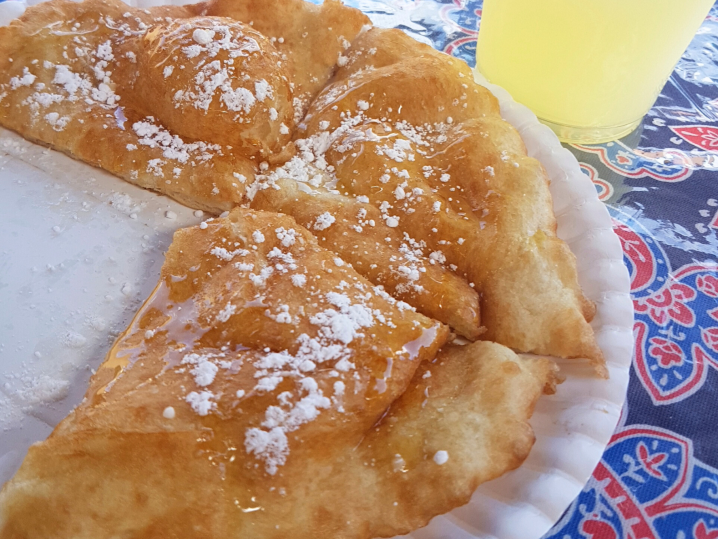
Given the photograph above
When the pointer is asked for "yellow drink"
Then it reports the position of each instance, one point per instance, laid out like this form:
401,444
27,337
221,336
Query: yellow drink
590,69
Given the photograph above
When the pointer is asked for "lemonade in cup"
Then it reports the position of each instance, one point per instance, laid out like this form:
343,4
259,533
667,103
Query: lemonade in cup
590,69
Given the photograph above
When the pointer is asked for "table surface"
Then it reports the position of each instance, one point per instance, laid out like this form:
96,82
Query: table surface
659,475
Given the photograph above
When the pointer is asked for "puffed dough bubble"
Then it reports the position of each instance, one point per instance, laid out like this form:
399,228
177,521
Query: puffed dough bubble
216,80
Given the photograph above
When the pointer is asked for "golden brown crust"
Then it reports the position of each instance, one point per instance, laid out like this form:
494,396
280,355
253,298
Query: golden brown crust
316,362
378,252
174,80
481,203
68,80
473,402
313,38
527,275
152,477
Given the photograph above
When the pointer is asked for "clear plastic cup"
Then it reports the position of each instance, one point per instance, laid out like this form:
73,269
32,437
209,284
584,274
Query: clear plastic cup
590,69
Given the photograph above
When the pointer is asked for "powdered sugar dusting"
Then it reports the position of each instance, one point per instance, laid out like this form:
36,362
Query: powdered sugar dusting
219,81
305,380
324,221
173,147
201,402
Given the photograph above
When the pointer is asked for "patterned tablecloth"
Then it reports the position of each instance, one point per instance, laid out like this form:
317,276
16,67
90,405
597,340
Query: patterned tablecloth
659,474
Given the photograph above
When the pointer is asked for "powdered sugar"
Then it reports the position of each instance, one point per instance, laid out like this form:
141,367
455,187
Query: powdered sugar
441,457
343,325
262,90
154,166
271,446
324,221
203,369
124,203
217,79
26,80
229,309
238,100
69,86
173,147
57,122
203,36
287,237
201,402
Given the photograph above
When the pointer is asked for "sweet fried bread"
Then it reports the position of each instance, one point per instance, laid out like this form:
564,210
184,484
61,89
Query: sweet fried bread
258,353
519,244
377,251
84,78
256,295
211,79
440,165
445,169
264,373
314,39
461,422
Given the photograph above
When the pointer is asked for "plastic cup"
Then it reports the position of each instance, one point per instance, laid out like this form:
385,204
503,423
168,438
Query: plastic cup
589,69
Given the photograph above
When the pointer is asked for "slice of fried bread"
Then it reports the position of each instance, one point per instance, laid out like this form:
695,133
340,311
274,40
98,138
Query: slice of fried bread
354,229
268,381
427,147
170,98
221,413
462,421
258,353
186,107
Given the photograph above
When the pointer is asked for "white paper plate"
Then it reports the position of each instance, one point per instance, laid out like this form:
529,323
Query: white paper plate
81,249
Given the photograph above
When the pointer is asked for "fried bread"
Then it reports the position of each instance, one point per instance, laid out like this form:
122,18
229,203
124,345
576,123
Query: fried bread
293,373
262,387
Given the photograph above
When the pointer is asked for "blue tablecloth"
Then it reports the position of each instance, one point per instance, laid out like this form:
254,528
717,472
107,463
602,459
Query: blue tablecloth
659,475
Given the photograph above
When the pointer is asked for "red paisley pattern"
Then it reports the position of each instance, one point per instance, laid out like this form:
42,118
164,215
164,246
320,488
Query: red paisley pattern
650,462
638,252
604,188
708,285
596,529
701,531
669,305
710,337
703,136
666,352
